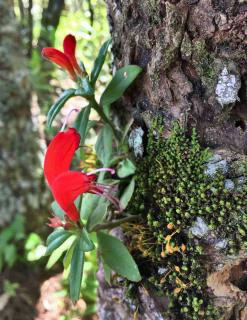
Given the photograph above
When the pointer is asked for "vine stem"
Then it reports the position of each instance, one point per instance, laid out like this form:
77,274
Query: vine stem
114,223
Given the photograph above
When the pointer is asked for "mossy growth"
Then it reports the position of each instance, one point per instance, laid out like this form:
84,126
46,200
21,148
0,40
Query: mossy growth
204,63
172,190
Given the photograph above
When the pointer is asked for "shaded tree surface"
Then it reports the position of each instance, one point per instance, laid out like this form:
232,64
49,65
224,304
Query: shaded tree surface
20,163
193,55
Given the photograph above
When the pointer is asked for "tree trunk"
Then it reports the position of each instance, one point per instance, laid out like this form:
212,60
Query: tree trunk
20,173
193,55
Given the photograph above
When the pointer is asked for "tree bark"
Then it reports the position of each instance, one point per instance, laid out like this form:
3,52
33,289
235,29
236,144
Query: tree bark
193,55
20,165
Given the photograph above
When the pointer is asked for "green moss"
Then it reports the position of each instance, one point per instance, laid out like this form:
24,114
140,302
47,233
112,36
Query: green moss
204,63
172,190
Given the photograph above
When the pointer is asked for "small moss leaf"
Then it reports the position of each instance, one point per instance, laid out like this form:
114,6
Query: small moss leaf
99,61
57,106
119,83
76,271
117,257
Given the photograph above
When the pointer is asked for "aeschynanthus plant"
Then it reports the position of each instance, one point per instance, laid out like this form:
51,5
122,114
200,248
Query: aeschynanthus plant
71,228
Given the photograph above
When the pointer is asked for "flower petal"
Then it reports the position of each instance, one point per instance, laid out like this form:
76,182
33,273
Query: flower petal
60,59
59,153
67,187
69,47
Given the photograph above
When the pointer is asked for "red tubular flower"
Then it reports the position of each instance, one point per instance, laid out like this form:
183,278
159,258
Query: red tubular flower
66,60
60,153
67,185
69,47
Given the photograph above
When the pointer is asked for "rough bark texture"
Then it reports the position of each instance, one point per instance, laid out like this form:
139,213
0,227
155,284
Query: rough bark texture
193,54
20,165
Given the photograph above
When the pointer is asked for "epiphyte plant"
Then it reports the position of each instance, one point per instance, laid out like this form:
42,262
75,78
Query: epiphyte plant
83,199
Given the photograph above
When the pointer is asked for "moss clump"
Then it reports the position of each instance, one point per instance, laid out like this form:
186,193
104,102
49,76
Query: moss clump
172,190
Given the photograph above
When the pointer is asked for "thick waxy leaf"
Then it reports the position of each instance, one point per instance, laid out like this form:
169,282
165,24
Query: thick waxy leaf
57,106
55,234
117,257
76,272
56,254
99,62
86,244
103,145
68,256
126,168
81,123
98,215
89,203
127,194
119,83
55,243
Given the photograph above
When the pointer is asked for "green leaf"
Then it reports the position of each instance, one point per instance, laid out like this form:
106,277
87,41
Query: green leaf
126,168
98,215
56,254
99,61
103,146
81,122
68,256
119,83
107,273
86,244
117,257
76,272
55,234
127,194
85,89
53,245
89,203
57,106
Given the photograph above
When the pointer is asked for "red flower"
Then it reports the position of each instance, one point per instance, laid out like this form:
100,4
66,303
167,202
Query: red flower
67,185
60,153
66,60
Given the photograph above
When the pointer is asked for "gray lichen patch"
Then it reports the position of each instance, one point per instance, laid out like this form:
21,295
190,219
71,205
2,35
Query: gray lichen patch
227,88
212,168
199,228
135,141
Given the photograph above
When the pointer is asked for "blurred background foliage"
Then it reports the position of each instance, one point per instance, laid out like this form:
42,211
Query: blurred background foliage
44,23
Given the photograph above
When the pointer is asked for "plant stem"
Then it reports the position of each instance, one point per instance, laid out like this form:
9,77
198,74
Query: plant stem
114,223
103,116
